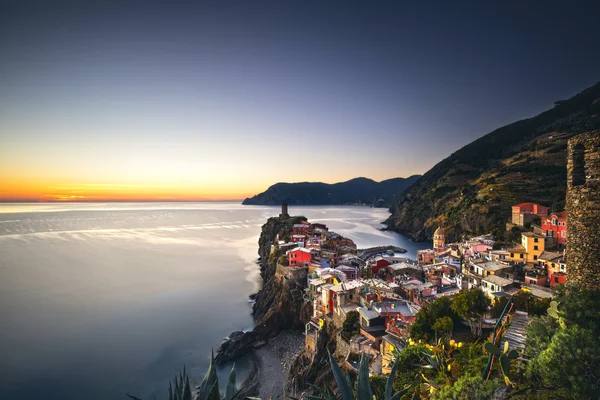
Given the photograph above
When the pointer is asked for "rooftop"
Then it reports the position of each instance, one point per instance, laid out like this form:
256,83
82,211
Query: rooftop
496,280
389,307
532,234
367,314
550,256
491,265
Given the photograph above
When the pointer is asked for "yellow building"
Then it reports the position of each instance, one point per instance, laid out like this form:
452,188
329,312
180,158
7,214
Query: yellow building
389,345
534,245
439,239
531,247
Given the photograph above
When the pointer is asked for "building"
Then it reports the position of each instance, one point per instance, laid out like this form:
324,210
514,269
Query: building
583,209
485,268
534,245
493,284
555,227
300,229
299,256
555,265
439,238
525,213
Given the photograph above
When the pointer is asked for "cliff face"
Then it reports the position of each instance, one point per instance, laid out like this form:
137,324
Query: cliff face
359,190
308,370
472,190
279,304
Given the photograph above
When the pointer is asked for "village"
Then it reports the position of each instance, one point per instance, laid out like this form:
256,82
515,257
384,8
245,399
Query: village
380,290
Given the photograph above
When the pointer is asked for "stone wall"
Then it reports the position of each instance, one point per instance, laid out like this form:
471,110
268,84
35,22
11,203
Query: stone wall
583,211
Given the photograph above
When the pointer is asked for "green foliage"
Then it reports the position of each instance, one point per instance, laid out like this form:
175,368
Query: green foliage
467,387
422,327
571,360
407,372
580,307
471,305
351,326
443,326
364,391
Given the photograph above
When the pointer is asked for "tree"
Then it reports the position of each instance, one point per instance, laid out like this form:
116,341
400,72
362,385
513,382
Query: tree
422,326
471,305
571,360
351,325
443,326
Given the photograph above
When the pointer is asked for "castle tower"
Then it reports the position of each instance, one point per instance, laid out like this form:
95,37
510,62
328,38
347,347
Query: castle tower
284,211
439,239
583,211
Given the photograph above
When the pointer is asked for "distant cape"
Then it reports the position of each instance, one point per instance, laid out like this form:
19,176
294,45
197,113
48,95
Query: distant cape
355,191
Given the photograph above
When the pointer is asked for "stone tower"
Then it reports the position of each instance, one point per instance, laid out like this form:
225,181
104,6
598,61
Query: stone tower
583,211
284,211
439,238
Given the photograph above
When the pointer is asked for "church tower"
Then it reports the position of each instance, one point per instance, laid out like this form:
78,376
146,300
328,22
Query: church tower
439,239
583,211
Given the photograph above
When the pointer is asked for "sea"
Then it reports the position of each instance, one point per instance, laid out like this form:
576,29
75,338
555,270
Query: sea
102,299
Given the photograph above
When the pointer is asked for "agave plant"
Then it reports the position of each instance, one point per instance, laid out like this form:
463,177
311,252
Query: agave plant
179,388
364,391
504,357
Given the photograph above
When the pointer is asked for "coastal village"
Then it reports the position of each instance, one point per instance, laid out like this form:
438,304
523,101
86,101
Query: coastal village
387,289
482,292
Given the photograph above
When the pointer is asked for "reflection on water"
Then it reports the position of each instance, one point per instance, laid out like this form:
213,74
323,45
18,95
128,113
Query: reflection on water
101,299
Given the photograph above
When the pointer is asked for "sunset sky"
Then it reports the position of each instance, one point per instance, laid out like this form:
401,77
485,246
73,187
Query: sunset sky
142,101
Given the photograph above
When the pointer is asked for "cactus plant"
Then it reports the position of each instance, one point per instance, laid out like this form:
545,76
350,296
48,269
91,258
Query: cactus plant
503,356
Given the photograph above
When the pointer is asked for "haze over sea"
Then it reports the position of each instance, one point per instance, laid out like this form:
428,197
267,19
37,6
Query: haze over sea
99,299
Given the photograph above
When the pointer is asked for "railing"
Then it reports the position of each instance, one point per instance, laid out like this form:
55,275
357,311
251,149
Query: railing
498,327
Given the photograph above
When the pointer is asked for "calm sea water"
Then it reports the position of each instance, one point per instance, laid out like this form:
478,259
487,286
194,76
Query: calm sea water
101,299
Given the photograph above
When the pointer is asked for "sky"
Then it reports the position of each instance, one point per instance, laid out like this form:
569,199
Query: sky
220,99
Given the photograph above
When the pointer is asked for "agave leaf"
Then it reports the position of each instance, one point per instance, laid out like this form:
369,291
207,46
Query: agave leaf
209,380
343,384
390,381
364,386
231,387
505,364
513,354
492,348
187,390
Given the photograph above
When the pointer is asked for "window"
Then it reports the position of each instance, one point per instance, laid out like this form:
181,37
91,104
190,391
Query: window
555,280
535,257
531,281
521,255
512,255
535,247
493,288
563,234
562,268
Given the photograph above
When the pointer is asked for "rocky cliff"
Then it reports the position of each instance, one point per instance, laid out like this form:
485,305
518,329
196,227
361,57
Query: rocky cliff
471,191
279,304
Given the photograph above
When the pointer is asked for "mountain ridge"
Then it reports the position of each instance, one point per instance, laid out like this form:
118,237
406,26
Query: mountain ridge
471,191
353,191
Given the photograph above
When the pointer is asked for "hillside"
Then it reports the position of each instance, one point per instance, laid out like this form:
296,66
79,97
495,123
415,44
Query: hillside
472,190
358,190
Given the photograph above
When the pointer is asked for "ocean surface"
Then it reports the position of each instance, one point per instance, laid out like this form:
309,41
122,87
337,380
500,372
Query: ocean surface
101,299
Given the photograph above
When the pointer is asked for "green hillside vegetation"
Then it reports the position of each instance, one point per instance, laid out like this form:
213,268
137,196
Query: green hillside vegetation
471,191
354,191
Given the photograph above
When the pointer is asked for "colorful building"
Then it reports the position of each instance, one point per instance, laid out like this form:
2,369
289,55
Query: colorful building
534,245
555,226
526,212
299,256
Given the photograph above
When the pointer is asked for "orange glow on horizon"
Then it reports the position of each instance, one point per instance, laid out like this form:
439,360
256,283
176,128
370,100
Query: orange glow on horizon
51,192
